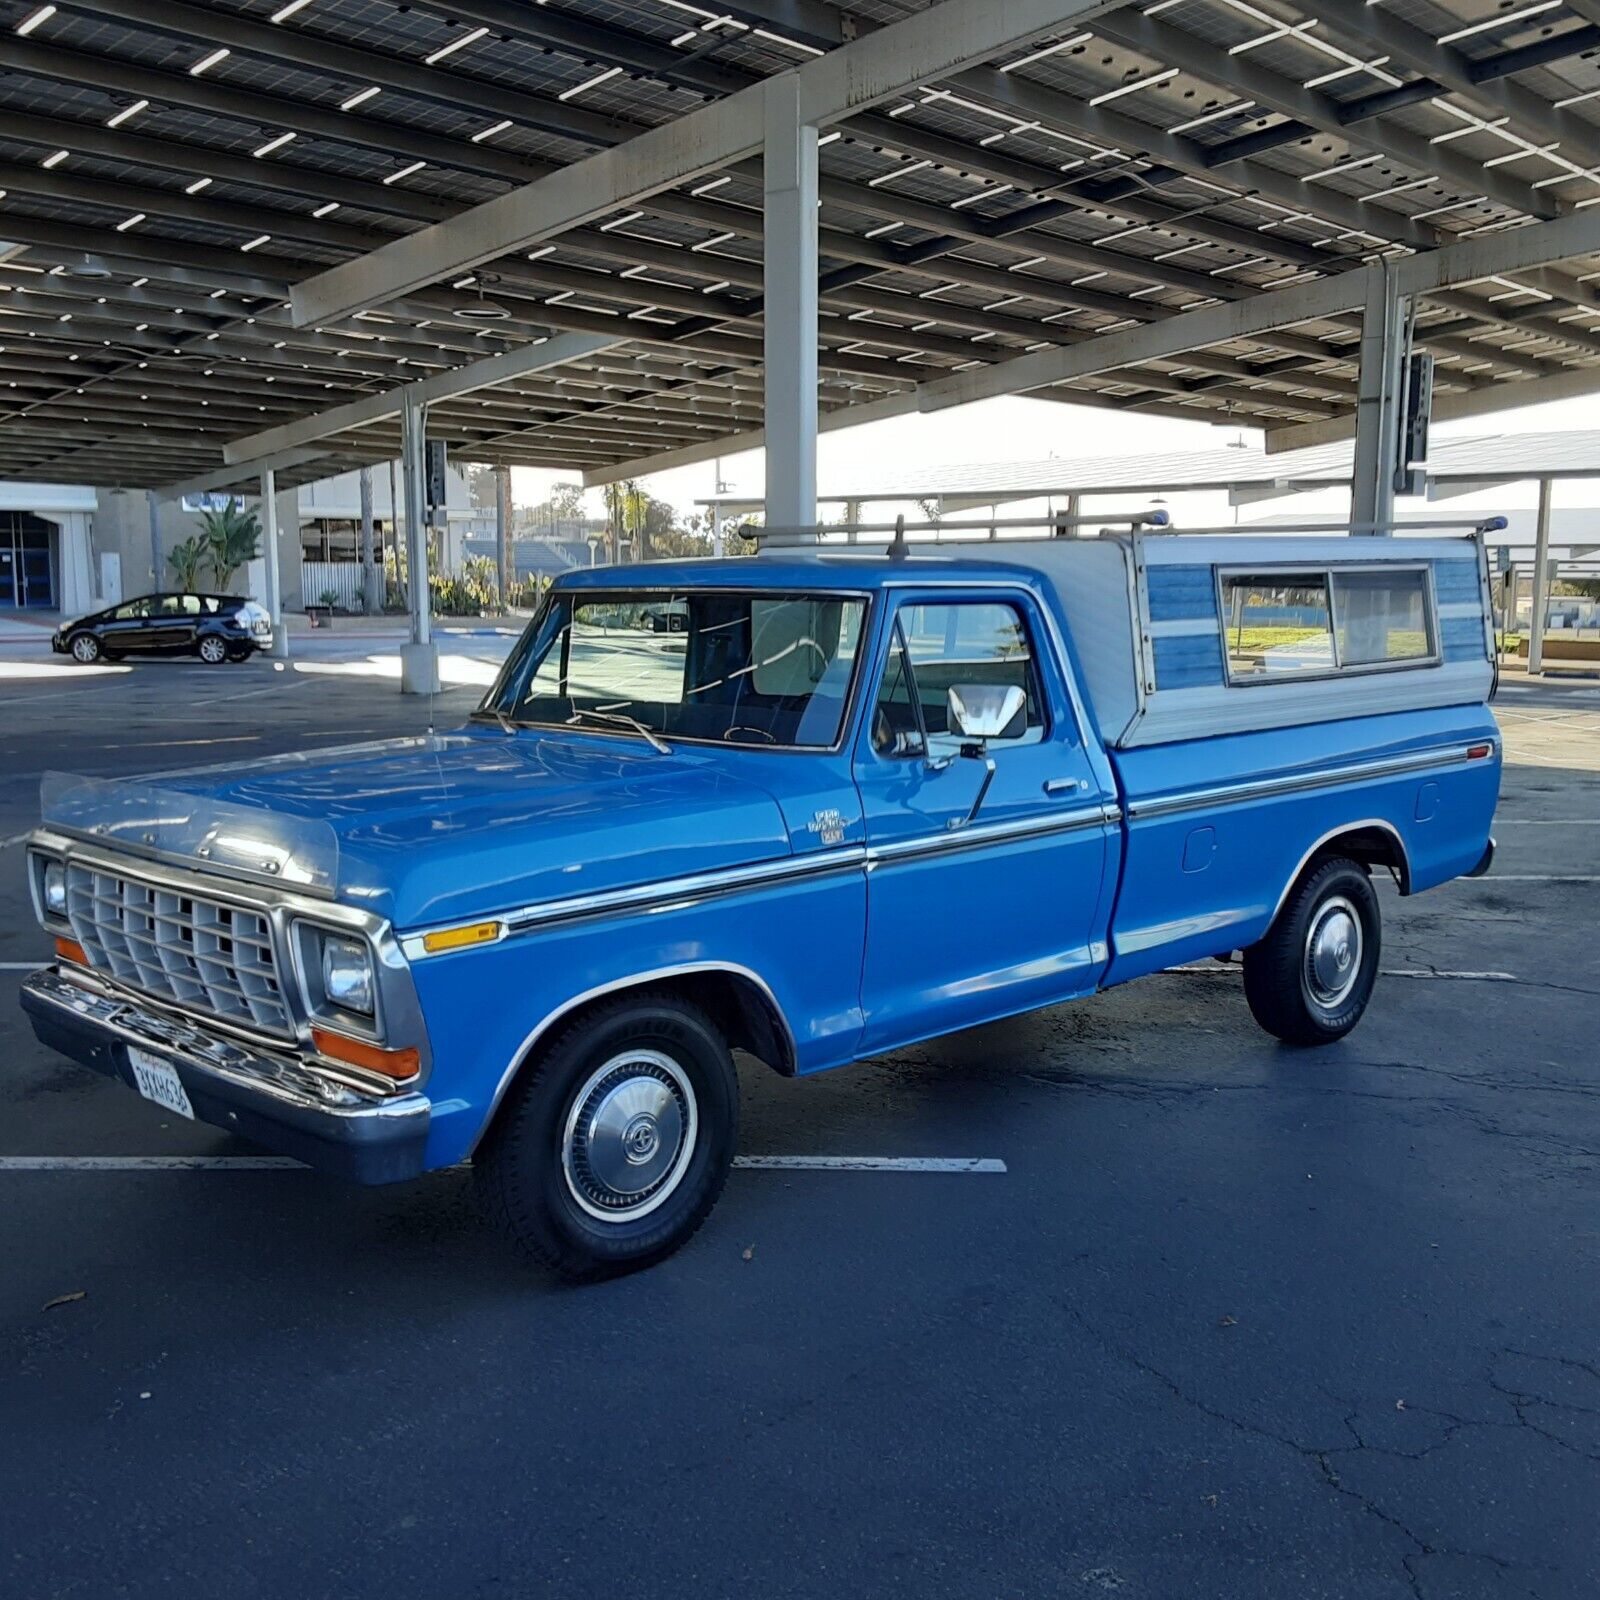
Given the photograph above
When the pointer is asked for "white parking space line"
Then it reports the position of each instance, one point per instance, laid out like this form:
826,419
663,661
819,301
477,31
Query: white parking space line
150,1164
22,966
1546,822
1213,969
1539,877
958,1164
870,1163
1423,972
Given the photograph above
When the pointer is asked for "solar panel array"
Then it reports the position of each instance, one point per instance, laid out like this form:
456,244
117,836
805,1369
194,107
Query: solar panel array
168,169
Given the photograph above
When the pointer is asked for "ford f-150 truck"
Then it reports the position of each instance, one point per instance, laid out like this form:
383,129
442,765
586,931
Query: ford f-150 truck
856,800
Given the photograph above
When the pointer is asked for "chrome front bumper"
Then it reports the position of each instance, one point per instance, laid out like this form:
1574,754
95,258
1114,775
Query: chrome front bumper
274,1099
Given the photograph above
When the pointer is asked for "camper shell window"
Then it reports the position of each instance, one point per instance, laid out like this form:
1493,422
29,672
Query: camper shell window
1315,622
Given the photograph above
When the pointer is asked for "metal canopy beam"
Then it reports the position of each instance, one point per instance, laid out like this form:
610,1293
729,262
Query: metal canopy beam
1574,384
929,44
244,472
458,381
1490,255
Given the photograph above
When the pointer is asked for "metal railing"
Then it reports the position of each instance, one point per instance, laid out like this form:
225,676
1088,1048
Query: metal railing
1062,525
1052,525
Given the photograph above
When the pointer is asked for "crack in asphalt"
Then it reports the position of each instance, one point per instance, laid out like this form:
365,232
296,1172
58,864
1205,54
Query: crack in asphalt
1323,1457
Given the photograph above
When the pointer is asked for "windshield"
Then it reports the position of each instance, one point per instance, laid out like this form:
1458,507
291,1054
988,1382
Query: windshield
761,669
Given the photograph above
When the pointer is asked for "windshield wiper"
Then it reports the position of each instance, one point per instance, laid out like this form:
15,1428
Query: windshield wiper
654,740
483,713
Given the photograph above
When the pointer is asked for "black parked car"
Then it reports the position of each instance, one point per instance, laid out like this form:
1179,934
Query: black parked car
215,627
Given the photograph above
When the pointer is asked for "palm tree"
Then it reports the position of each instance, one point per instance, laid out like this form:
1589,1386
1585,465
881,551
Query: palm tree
186,560
635,509
613,494
232,538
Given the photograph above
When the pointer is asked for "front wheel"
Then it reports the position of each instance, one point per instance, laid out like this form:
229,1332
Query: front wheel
85,648
1309,980
615,1141
212,650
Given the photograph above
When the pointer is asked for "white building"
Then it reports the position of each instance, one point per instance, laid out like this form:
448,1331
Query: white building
47,559
75,549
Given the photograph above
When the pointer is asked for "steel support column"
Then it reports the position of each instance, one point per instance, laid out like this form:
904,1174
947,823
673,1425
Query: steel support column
419,660
153,506
1383,358
502,533
269,554
1541,581
789,310
371,569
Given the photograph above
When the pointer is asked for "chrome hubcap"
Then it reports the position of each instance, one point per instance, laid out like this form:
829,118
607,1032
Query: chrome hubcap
629,1136
210,650
83,649
1333,952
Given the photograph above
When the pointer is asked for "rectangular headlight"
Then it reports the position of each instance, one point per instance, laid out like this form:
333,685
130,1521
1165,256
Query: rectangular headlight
347,978
53,888
47,878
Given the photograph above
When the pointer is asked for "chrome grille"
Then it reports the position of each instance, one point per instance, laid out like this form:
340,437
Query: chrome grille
201,954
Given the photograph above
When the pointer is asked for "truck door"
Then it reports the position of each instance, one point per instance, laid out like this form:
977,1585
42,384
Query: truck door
975,913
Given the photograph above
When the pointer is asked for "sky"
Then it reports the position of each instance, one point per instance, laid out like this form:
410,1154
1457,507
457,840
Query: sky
1021,429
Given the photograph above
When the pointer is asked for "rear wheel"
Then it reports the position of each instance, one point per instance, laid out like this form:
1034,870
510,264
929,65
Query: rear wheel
1309,980
615,1141
212,650
85,648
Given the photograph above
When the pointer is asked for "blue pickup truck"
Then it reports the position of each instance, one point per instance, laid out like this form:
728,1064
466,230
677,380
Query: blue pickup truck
858,799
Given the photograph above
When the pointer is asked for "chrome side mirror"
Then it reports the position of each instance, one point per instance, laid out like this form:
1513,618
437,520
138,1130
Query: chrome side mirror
979,712
982,711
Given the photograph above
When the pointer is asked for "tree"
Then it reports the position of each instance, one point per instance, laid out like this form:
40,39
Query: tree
616,498
186,560
635,506
480,484
566,502
231,537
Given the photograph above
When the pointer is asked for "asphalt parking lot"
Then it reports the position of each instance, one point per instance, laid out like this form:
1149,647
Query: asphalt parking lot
1233,1320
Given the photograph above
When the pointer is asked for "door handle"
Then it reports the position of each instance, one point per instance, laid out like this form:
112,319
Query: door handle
1065,785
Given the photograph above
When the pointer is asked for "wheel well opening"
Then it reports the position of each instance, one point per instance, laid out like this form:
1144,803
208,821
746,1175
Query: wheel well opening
740,1007
1373,847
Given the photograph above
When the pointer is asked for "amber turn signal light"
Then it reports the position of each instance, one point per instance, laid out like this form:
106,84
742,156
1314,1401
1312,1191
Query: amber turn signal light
71,950
391,1063
443,939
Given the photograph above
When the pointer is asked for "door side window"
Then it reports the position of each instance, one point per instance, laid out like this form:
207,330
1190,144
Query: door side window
938,647
133,611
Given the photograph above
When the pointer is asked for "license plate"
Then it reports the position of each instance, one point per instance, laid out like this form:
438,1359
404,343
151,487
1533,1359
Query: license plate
159,1082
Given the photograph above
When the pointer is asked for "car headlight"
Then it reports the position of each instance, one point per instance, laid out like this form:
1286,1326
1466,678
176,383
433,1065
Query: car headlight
347,980
53,888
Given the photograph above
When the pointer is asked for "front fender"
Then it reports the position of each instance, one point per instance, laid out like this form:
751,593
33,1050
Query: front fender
487,1007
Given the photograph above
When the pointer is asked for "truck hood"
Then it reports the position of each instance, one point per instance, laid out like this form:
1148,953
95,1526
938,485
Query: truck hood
465,824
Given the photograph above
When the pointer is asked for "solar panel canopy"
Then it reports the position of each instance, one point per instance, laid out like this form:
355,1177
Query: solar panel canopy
170,170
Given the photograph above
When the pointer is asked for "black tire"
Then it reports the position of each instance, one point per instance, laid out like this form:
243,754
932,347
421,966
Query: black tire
1308,981
84,648
532,1168
211,649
